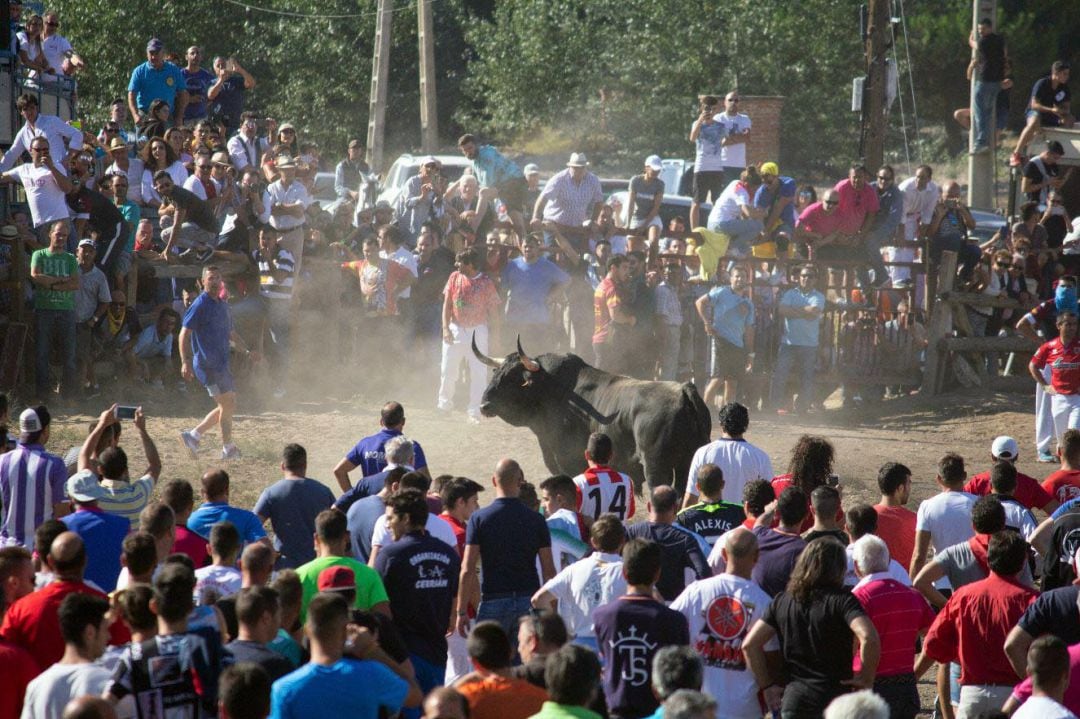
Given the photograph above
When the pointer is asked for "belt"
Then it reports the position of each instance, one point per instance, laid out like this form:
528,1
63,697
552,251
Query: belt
505,595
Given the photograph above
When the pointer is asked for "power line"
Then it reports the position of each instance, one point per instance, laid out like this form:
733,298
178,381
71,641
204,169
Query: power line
313,16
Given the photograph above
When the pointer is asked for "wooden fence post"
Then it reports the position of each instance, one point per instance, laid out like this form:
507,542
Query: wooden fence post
941,325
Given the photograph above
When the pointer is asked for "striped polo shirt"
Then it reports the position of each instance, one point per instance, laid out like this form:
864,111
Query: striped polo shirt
126,499
281,261
31,482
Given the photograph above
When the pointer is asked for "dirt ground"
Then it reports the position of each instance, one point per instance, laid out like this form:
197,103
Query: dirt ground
912,430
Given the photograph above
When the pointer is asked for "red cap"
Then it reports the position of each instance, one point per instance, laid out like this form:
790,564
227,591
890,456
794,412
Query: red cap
337,577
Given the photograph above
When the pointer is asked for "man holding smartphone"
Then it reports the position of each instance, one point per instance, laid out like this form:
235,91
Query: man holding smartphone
707,135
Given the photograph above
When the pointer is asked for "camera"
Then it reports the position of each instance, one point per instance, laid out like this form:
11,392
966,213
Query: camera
125,411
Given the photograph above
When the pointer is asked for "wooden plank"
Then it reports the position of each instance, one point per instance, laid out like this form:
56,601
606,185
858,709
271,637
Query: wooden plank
941,325
961,321
975,299
1015,343
12,354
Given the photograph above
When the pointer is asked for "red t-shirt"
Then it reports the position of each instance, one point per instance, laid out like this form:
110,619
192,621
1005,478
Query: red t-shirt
815,219
459,532
19,668
1064,361
33,622
471,299
896,527
191,544
899,614
1028,490
855,205
972,627
1063,485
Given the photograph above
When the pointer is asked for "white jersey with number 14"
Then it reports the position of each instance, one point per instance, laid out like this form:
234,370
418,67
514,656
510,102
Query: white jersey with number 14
602,490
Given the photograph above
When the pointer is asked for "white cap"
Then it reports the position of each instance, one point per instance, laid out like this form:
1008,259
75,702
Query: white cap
577,159
531,169
84,487
428,160
1005,448
29,422
653,162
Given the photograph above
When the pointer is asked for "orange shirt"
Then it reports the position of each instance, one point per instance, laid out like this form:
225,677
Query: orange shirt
471,299
496,697
896,527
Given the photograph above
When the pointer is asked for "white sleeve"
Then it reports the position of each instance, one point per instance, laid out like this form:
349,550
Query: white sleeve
441,530
74,135
559,585
264,216
715,559
18,147
381,535
695,465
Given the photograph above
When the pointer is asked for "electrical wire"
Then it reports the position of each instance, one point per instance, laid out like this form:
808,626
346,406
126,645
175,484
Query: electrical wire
911,77
318,16
900,99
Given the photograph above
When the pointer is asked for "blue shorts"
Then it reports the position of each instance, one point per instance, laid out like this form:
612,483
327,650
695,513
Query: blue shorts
1046,119
217,382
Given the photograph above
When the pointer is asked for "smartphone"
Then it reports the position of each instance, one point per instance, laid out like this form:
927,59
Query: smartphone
124,411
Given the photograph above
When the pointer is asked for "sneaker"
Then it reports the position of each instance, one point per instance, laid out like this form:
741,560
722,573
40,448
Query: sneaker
230,451
191,443
1016,159
1047,458
203,255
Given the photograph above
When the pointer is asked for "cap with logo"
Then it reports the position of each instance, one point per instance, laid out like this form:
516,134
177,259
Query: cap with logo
33,419
87,242
155,45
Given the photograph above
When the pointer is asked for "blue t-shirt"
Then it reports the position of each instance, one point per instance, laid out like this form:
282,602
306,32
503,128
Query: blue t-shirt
291,505
731,314
509,566
210,513
211,324
197,84
361,519
348,687
372,484
420,574
765,198
103,535
529,286
149,84
800,332
369,454
492,168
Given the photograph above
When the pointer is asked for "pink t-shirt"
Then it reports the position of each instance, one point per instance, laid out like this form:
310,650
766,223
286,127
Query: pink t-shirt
815,219
1071,700
898,613
854,205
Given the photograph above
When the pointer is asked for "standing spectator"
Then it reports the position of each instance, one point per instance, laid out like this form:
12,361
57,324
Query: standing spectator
291,506
818,623
801,309
206,335
1064,484
676,669
461,498
735,137
1042,174
1049,106
614,318
331,547
256,568
720,611
277,275
510,577
369,454
858,207
990,67
818,227
258,614
643,204
499,178
896,523
1062,355
740,461
197,81
421,197
631,628
781,547
179,495
492,691
572,675
216,508
883,230
157,79
601,489
532,283
103,532
350,172
734,214
920,194
949,228
973,625
859,521
97,216
708,135
45,185
226,95
131,168
681,549
728,314
16,576
221,578
420,573
900,615
712,516
381,534
120,495
540,634
244,692
91,303
392,249
669,299
31,481
827,513
571,198
470,317
62,138
246,149
84,625
1050,667
445,703
285,204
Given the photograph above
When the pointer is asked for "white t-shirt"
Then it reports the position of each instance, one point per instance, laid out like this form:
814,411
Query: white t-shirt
733,155
585,585
406,259
731,199
195,186
55,47
740,461
177,172
50,691
720,611
436,527
947,517
216,582
1042,708
45,197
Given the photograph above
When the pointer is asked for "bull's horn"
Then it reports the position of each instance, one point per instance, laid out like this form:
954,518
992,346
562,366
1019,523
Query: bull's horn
489,361
530,364
586,407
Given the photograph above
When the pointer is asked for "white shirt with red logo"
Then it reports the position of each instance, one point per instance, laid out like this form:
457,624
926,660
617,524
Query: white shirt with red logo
1064,361
602,490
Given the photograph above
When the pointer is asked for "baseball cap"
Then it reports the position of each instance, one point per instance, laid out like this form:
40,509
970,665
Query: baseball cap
33,419
1005,448
155,45
653,162
336,578
531,169
769,168
428,160
87,242
84,487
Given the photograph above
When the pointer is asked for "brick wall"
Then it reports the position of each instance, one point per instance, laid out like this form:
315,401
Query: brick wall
764,112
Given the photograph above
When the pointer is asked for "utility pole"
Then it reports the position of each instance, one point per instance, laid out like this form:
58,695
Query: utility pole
877,48
429,118
981,164
380,72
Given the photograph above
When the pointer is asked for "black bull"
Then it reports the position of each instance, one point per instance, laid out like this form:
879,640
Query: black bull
655,427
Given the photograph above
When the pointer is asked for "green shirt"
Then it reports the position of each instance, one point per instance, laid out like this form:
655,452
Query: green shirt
369,587
554,710
61,264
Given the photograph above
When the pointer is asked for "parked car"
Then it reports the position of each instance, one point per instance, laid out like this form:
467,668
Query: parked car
405,166
987,222
671,206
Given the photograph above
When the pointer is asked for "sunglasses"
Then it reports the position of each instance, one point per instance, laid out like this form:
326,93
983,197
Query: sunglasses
53,24
832,202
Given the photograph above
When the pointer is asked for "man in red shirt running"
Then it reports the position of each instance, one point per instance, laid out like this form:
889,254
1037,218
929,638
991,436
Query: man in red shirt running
1063,357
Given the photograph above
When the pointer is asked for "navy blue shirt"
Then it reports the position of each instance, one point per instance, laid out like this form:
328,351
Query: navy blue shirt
291,505
509,535
210,324
361,517
680,551
1054,612
420,574
369,454
103,536
366,487
629,631
711,519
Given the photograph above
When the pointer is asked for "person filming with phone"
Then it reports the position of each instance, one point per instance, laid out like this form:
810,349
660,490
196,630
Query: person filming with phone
949,230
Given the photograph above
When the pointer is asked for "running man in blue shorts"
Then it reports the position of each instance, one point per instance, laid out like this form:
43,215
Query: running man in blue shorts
205,334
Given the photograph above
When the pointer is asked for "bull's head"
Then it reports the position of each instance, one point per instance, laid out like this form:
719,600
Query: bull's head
520,386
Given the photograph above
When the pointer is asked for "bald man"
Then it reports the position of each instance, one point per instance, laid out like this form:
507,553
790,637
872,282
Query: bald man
445,703
683,549
509,566
733,588
88,707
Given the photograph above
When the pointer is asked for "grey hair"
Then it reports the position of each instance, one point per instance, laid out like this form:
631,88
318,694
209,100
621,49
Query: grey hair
674,668
858,705
870,554
689,704
399,450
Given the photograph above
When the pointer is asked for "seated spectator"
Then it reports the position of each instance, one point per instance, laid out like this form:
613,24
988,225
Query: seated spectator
188,222
216,508
120,495
1048,106
735,215
157,156
948,231
258,615
221,578
491,690
103,532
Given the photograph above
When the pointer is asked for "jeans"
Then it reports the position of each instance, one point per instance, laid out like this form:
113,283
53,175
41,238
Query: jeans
742,232
505,610
428,677
983,119
786,358
50,326
872,249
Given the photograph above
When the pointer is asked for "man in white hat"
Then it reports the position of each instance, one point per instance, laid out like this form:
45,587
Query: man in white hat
285,204
31,481
422,197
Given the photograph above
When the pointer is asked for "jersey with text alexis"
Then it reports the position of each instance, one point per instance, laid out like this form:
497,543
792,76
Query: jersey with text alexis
602,490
